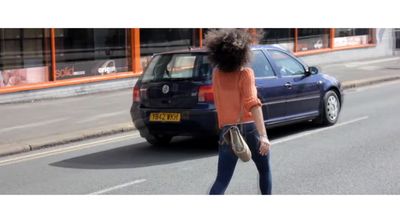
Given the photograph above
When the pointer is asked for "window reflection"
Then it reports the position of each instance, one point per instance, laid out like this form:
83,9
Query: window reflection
89,52
352,37
24,56
312,39
282,37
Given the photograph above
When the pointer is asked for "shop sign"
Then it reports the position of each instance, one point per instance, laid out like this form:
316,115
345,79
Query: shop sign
89,68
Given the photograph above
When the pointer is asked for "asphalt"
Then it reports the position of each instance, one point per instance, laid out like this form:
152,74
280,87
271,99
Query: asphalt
46,123
359,155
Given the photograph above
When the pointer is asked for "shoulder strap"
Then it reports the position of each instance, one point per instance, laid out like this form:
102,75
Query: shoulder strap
241,106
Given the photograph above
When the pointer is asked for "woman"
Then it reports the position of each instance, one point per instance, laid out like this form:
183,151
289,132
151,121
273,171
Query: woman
236,101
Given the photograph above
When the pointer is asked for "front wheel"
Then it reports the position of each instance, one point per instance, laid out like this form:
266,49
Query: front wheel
159,140
331,109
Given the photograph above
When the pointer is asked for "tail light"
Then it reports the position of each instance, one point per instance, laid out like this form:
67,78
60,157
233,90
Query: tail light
136,94
206,94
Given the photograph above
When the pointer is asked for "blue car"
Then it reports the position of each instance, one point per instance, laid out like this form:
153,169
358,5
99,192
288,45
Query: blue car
174,97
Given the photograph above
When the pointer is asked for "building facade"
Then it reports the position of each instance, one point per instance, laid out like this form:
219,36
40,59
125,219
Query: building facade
32,59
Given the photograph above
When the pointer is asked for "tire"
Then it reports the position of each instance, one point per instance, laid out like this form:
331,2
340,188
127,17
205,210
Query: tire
330,109
159,140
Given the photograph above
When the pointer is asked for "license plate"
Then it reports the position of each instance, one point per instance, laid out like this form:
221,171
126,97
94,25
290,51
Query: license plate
165,117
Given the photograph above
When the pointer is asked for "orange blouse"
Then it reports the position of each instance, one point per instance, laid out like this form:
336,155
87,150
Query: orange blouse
234,91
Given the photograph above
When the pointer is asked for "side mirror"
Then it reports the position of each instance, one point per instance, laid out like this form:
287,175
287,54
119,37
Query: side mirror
312,70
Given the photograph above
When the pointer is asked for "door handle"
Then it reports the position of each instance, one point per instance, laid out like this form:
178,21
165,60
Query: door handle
288,85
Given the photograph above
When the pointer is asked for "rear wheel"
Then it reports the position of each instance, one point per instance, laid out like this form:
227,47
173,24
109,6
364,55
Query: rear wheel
159,140
331,109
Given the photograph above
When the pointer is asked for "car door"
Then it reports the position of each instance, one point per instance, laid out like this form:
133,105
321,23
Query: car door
302,91
269,87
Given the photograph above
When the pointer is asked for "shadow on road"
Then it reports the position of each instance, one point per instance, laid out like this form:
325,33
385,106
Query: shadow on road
144,154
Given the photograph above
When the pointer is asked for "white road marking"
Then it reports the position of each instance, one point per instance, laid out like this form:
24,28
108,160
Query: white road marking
127,93
107,115
118,187
289,138
31,125
64,150
369,68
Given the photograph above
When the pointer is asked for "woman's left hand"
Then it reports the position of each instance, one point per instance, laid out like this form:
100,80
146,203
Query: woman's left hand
265,146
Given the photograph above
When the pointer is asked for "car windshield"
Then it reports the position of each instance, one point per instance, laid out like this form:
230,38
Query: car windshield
178,66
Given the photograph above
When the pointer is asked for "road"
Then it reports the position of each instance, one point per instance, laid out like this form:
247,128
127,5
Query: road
358,155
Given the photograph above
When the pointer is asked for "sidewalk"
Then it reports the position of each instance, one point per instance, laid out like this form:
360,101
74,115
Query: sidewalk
34,125
364,72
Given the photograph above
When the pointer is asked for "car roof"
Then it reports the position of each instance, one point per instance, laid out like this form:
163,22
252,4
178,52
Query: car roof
204,49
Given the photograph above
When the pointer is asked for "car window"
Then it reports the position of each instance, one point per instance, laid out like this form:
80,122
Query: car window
178,66
260,65
182,66
287,66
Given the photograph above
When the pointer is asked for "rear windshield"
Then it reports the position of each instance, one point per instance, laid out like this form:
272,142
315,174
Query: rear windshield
178,66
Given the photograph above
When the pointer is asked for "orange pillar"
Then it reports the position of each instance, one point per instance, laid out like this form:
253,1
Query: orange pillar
296,36
332,38
53,55
200,37
135,50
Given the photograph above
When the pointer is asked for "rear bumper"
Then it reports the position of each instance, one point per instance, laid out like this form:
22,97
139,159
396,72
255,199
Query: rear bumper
194,122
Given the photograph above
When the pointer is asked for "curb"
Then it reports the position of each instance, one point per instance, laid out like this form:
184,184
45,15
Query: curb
128,127
370,81
64,140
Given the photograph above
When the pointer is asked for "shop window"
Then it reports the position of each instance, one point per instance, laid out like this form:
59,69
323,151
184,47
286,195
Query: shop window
160,40
24,56
91,52
352,37
312,39
282,37
204,32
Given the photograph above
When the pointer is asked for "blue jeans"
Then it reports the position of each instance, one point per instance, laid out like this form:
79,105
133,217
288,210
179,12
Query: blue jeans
227,161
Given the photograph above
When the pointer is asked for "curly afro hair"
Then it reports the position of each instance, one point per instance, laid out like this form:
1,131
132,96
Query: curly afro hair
229,49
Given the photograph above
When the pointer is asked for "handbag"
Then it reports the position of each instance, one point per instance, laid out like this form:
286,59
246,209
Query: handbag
239,146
